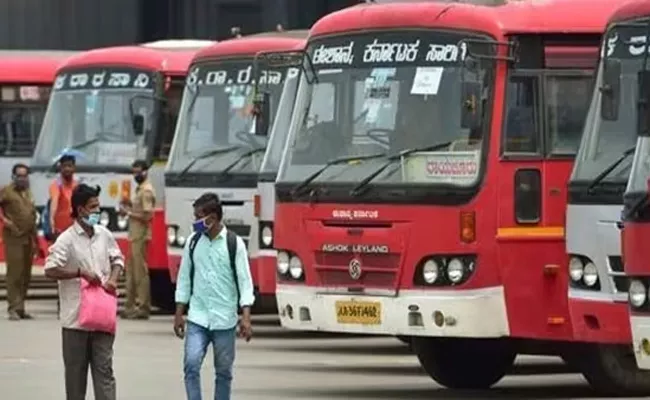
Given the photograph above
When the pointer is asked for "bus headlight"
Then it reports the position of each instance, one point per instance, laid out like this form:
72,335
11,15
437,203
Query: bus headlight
637,293
295,267
590,274
267,236
171,235
576,269
455,270
181,238
104,218
283,262
122,221
430,271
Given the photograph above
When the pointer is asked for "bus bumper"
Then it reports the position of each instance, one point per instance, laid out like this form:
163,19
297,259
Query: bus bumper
479,313
598,320
266,271
641,340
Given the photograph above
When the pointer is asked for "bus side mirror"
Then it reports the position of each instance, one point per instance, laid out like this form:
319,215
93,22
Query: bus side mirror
643,103
471,104
137,121
262,113
610,89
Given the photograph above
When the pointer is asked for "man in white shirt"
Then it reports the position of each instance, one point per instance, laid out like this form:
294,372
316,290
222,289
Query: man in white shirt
85,250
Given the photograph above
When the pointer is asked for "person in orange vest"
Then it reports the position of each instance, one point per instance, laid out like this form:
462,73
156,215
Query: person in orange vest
61,195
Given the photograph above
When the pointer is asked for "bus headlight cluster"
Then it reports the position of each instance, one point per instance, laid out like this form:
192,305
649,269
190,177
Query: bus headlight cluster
290,266
104,218
266,235
176,236
583,273
122,222
637,293
445,271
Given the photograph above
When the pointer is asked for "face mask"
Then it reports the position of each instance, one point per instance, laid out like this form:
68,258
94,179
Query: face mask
200,225
139,178
92,219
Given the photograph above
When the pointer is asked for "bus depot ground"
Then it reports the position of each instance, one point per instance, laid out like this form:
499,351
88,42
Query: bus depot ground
276,364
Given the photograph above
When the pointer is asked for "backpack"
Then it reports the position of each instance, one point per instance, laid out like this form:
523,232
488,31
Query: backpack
231,242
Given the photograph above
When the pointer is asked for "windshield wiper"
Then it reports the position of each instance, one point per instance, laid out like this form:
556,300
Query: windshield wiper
599,178
357,190
207,154
335,161
241,157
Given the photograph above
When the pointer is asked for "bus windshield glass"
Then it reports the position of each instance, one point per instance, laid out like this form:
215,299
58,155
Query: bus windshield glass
22,109
388,92
90,114
217,114
605,140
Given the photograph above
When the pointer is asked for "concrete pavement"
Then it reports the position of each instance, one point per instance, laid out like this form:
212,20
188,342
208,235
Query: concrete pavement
277,364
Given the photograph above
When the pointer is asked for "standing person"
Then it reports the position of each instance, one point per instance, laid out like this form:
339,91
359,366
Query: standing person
140,212
85,250
61,195
20,239
213,280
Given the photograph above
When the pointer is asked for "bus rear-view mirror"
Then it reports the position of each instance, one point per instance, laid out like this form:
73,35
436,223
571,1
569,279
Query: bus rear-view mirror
643,103
471,103
137,121
610,89
262,113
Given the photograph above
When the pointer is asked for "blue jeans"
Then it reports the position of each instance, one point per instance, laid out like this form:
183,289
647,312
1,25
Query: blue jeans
197,339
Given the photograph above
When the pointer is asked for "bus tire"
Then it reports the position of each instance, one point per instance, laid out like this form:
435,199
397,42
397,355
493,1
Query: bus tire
612,370
464,363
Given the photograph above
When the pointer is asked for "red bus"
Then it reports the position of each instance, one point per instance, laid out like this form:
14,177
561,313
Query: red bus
26,77
430,201
628,49
95,98
218,146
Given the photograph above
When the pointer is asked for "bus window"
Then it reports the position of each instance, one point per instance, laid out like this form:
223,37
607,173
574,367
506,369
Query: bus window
522,124
19,129
567,100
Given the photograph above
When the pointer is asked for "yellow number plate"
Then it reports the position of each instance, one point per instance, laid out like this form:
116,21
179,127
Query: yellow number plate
358,312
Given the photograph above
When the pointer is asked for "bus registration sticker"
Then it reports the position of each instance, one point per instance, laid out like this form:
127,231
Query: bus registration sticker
455,167
358,312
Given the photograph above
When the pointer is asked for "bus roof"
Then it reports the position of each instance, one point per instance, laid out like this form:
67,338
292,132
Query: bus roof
631,10
526,17
31,66
249,46
172,59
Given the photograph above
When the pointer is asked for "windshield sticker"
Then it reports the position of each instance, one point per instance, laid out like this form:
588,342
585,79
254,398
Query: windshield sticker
425,48
459,167
427,80
116,153
105,78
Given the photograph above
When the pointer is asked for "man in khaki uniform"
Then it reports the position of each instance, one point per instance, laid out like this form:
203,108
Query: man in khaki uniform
140,212
19,237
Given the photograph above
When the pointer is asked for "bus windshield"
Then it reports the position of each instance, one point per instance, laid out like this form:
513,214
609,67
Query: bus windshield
605,140
383,93
22,109
90,114
216,114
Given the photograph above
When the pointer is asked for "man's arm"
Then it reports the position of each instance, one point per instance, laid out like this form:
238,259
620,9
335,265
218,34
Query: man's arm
183,283
244,278
57,261
115,257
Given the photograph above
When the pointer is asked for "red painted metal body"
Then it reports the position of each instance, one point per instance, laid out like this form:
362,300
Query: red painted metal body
527,261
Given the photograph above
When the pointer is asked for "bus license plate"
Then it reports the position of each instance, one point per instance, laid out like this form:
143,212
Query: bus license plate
358,312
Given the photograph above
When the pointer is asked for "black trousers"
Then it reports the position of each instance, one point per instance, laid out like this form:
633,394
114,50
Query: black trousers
83,349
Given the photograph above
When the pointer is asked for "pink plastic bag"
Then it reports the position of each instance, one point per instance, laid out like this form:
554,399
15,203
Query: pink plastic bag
97,308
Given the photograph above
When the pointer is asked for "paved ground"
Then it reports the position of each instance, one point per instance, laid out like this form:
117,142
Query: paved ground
277,364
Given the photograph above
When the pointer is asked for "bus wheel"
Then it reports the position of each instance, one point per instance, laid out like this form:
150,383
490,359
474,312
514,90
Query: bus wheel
612,370
464,363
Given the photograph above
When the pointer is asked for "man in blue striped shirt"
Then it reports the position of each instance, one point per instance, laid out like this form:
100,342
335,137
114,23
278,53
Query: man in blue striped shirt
211,288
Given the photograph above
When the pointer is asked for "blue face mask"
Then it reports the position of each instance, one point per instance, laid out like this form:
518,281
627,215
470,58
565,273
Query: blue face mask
92,219
200,226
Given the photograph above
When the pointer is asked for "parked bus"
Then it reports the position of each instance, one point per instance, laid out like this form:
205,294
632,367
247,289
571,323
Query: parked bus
219,144
598,290
430,201
111,106
26,78
627,62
